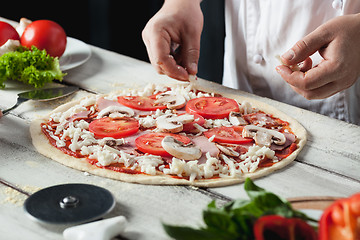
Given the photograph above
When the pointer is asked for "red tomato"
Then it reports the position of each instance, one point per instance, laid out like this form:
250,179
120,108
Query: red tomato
278,227
7,32
151,143
341,220
212,107
115,128
45,34
140,103
189,127
228,135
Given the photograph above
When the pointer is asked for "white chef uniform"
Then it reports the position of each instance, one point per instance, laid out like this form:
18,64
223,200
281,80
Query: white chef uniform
258,30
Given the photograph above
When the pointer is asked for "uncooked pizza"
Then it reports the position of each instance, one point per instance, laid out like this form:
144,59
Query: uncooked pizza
173,135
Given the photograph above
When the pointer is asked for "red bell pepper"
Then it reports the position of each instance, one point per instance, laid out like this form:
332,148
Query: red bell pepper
341,220
278,227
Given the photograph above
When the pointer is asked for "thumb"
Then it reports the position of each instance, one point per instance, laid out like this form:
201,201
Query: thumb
306,47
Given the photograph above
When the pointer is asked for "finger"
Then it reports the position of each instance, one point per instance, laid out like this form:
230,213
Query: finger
307,46
150,54
314,78
159,50
306,65
190,54
319,93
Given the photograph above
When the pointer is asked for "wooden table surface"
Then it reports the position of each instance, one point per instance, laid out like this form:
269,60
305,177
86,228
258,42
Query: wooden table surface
329,165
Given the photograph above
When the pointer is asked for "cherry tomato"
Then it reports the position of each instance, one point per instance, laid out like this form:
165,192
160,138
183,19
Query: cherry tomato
140,103
212,107
277,227
7,32
45,34
189,127
228,135
115,128
151,143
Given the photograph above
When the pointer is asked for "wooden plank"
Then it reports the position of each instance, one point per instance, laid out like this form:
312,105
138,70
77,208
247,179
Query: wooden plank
299,180
15,224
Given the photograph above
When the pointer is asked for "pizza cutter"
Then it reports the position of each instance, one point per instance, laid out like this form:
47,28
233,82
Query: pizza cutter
69,204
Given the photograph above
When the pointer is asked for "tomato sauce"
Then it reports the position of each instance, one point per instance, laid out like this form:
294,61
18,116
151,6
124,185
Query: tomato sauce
117,167
66,149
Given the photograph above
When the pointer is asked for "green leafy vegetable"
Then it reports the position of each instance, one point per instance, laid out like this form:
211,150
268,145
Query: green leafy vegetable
34,67
235,219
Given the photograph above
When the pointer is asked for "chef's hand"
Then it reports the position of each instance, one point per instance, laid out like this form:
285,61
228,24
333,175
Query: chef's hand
338,42
172,38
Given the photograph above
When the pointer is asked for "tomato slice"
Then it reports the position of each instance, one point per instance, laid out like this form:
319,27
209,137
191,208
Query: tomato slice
212,107
189,127
278,227
115,128
140,103
151,143
228,135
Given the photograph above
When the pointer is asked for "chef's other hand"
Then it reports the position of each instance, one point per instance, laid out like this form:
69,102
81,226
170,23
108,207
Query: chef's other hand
338,42
172,38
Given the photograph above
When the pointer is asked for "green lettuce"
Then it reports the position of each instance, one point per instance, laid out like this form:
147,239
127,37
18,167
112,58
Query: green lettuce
34,67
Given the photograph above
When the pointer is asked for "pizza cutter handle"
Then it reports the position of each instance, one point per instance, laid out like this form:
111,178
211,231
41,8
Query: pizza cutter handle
100,230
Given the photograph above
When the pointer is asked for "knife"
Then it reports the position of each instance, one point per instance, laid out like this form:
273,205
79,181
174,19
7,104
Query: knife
42,95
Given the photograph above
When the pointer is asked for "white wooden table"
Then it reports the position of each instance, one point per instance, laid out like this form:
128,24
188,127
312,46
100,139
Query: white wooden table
329,165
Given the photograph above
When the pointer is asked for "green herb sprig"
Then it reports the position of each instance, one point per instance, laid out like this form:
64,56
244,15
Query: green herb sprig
235,219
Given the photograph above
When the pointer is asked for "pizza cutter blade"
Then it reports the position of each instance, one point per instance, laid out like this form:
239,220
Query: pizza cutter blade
69,204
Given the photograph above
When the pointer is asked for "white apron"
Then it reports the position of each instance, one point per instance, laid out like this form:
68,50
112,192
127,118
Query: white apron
258,30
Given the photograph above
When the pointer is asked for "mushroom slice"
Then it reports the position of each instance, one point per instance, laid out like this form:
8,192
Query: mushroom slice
236,119
173,123
263,136
227,150
111,142
180,150
172,100
24,22
9,46
116,112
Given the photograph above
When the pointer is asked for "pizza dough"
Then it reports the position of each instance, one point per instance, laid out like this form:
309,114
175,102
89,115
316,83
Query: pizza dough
43,146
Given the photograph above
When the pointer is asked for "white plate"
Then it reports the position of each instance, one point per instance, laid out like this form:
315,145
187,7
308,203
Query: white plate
76,53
